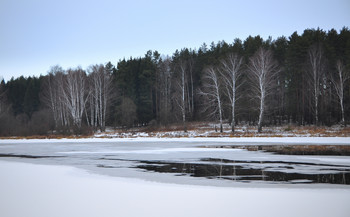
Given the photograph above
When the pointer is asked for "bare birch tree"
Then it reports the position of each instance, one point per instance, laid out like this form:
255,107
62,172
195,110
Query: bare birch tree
339,85
212,91
231,72
182,86
62,107
263,70
99,95
75,96
316,73
53,96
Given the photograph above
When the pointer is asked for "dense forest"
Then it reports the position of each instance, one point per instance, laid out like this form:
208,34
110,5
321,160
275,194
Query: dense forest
301,80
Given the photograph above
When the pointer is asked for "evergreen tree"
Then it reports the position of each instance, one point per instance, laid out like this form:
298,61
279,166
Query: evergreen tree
31,101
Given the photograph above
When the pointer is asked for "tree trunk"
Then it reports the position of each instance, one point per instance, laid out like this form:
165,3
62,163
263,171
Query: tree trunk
233,120
261,115
233,123
220,110
342,114
183,109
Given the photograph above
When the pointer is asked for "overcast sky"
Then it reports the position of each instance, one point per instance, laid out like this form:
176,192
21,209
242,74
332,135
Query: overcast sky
36,34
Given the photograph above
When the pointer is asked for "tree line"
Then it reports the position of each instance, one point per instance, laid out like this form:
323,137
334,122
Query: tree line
302,79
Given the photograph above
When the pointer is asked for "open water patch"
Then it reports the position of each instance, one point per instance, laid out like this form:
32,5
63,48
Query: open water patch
249,171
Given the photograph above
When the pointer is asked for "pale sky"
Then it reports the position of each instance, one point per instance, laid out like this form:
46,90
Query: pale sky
37,34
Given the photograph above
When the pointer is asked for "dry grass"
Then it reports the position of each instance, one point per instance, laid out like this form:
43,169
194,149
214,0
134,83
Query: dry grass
209,129
337,150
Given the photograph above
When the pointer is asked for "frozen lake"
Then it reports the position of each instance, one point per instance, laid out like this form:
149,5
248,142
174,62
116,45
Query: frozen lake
171,177
190,161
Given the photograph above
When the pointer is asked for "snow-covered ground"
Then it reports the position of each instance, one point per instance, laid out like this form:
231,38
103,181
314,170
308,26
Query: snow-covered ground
103,177
28,190
260,140
210,129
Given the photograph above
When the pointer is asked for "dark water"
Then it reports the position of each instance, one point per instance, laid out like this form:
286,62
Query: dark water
235,171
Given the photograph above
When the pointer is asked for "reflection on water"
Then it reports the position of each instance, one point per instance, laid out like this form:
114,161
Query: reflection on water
247,171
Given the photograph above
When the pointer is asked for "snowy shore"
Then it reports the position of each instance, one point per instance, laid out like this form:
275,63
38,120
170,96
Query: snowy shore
286,140
39,191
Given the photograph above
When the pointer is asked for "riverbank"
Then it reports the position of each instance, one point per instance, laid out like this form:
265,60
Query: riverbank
204,130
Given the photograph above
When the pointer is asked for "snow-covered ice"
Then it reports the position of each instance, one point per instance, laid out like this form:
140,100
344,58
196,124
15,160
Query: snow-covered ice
100,177
40,191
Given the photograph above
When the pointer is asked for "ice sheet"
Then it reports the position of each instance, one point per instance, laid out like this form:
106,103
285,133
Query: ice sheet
40,191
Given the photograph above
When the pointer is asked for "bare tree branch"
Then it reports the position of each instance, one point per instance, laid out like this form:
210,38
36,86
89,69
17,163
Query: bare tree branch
212,91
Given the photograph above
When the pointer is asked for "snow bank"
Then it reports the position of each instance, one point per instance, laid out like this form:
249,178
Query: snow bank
57,191
286,140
